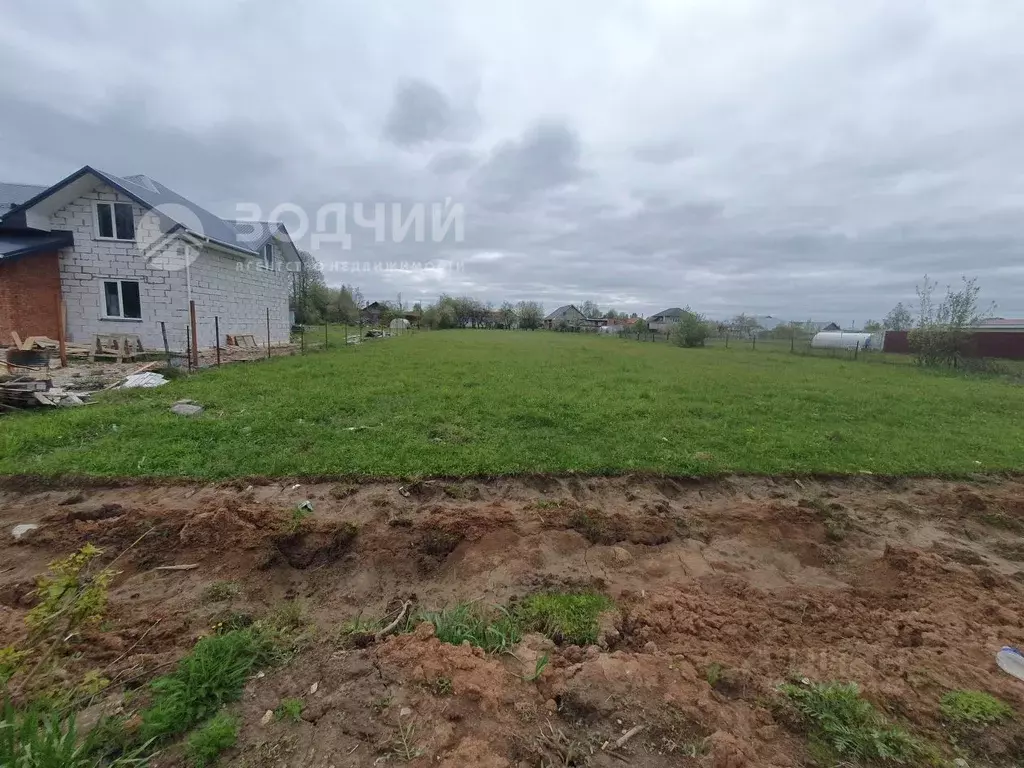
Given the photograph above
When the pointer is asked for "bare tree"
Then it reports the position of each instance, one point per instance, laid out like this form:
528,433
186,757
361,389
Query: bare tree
531,314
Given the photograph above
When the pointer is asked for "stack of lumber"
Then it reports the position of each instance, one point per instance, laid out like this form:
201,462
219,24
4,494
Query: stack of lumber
29,393
246,340
45,342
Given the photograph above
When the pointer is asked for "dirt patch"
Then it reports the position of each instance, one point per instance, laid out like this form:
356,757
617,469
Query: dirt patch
721,590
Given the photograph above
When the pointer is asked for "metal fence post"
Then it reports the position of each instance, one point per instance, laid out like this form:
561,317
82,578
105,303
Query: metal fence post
188,348
326,344
302,338
268,333
216,331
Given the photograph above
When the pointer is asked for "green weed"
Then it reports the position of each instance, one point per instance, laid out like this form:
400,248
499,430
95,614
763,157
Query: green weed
564,617
220,591
206,743
538,669
290,709
213,673
714,673
441,686
973,708
494,630
844,725
34,738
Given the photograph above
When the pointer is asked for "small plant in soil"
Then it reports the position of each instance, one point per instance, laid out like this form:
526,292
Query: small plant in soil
213,673
205,745
494,630
547,504
290,709
441,686
973,709
564,617
845,726
220,591
297,519
36,738
714,673
538,669
404,745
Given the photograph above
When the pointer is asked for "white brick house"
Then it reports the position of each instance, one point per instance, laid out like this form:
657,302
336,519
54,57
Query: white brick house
141,252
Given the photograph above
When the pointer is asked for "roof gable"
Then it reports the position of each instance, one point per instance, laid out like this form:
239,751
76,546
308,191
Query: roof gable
175,210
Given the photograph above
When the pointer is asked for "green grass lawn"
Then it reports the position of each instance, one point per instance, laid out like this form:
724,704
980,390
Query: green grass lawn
481,402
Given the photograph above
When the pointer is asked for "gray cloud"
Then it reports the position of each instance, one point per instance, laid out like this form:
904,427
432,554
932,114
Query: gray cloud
546,157
420,113
803,159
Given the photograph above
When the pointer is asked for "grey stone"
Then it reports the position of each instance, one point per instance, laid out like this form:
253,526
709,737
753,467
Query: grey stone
186,409
20,530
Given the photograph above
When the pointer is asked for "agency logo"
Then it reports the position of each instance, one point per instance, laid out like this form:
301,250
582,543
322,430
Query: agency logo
169,237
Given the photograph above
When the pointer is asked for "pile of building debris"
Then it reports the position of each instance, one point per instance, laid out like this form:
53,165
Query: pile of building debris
25,392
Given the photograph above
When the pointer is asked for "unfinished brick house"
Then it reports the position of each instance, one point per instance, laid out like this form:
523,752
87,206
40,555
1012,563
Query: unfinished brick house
125,254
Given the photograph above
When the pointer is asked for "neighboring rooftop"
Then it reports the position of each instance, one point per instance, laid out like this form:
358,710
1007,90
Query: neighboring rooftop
16,194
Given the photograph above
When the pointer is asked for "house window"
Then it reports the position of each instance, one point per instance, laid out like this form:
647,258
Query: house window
115,221
268,256
121,300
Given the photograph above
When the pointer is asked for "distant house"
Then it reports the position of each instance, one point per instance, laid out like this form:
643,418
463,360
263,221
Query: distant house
371,313
665,319
830,327
568,315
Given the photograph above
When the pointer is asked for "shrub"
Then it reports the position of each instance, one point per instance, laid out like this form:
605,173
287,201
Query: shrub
217,734
568,618
973,708
844,724
692,329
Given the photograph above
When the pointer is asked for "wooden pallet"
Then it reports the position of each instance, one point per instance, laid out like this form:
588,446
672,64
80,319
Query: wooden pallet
120,346
244,340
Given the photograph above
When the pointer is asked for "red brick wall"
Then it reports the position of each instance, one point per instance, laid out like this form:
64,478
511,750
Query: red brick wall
29,294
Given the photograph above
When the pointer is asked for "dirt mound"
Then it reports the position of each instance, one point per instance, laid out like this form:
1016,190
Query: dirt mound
721,592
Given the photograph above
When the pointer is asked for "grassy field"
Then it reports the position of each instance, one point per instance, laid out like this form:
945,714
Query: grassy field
481,402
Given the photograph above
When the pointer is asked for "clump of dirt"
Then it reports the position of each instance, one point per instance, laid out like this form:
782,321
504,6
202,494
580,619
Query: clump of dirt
723,590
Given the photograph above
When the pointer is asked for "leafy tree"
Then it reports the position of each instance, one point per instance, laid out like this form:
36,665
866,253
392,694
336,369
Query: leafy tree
590,309
531,315
872,326
898,319
611,314
942,329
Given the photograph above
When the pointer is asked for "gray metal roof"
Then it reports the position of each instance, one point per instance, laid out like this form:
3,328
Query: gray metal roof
193,217
15,194
21,242
562,311
253,234
670,312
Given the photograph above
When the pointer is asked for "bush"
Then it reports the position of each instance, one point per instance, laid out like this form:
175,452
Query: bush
206,744
845,725
936,347
692,329
973,708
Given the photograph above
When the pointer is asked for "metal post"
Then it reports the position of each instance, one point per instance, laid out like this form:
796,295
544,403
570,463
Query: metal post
753,341
302,338
188,346
856,350
216,331
62,319
325,335
167,349
726,339
195,340
268,333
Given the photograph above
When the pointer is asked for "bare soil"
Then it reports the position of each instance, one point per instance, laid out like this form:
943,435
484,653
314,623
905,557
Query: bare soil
723,589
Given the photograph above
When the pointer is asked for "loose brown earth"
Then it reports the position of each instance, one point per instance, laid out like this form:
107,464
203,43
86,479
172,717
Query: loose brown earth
907,587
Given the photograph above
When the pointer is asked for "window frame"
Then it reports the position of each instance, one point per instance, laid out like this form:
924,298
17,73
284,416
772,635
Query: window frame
267,255
120,300
113,221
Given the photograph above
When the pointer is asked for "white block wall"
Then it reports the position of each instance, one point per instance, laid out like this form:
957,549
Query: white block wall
220,285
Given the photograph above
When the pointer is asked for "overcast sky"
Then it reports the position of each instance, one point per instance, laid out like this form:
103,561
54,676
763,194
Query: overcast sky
803,159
